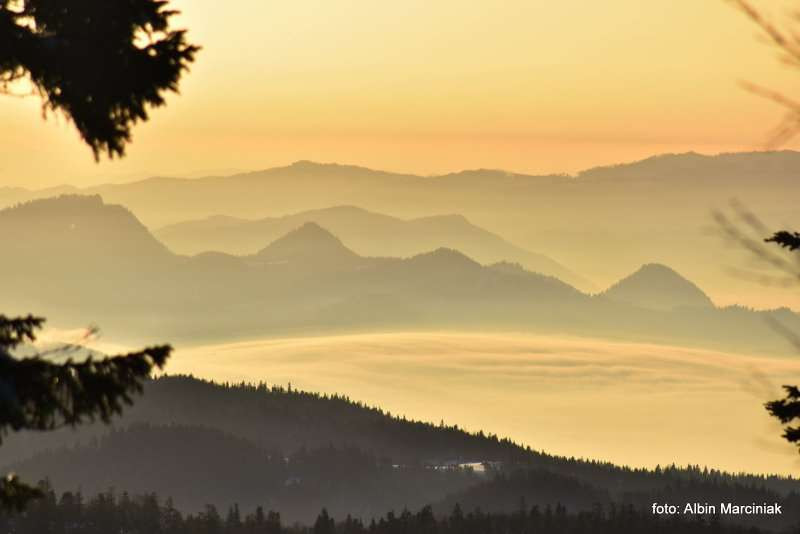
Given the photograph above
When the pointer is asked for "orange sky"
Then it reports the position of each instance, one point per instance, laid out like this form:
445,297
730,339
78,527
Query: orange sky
429,87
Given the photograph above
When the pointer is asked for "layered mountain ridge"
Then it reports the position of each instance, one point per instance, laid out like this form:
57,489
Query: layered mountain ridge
599,222
77,272
370,234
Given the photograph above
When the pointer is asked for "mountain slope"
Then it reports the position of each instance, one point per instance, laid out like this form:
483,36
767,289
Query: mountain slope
693,167
198,465
79,228
109,268
599,222
306,244
371,234
658,287
296,452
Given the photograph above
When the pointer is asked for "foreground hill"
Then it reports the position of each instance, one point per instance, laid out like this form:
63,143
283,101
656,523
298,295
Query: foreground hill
371,234
197,466
296,452
78,260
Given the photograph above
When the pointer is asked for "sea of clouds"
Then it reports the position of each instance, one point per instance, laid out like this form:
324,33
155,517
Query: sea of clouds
632,403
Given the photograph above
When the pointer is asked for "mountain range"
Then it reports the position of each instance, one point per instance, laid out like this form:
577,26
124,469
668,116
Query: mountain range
602,223
371,234
78,260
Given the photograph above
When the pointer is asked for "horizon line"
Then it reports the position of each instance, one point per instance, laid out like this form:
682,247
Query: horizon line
566,175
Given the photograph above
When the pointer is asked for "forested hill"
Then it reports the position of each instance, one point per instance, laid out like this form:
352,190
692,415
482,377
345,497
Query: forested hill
287,419
303,451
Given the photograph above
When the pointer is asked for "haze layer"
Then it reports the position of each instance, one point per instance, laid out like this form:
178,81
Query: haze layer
632,404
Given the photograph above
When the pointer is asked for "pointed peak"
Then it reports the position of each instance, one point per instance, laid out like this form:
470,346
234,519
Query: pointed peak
344,208
658,286
312,230
445,257
311,234
307,241
657,269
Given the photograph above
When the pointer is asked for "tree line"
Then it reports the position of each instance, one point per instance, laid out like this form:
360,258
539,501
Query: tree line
149,514
297,451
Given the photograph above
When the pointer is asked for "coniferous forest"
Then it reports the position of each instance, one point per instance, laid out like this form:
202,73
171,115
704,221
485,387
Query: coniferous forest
196,443
149,514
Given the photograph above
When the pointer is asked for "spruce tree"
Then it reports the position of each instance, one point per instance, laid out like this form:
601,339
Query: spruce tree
787,409
100,63
38,394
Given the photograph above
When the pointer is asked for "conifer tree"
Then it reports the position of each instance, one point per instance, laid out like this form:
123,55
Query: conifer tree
40,395
100,63
787,42
324,524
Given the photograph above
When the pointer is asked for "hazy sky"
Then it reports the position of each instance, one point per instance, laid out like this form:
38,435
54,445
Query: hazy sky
525,85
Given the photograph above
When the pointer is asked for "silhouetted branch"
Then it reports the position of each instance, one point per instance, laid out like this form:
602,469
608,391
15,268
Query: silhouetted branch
787,333
787,410
36,394
790,240
102,64
748,232
788,42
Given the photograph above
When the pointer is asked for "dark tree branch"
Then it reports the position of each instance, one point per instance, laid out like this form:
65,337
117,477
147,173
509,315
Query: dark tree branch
745,230
36,394
788,43
102,64
789,240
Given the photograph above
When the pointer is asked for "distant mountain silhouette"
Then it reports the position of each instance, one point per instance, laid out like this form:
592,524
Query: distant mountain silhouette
307,185
658,287
79,261
694,167
597,222
444,260
81,227
309,243
371,234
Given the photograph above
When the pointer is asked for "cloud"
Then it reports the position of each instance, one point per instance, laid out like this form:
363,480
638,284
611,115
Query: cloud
638,404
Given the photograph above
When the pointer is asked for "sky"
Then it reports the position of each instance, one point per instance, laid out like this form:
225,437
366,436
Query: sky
432,87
